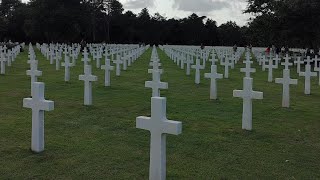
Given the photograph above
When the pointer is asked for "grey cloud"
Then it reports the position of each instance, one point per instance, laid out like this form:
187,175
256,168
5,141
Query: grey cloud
204,6
137,4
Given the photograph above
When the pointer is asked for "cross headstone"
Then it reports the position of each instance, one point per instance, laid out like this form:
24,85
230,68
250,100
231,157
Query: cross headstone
309,60
38,105
248,70
97,58
213,59
263,63
130,59
33,73
124,62
52,53
9,56
298,62
118,62
74,57
287,63
107,68
247,94
277,59
197,67
159,126
155,66
85,57
189,61
270,68
156,84
286,81
226,65
67,66
213,85
233,60
88,78
3,61
57,61
317,66
307,78
182,61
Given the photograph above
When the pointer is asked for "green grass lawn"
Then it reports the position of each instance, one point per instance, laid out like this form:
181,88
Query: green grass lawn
101,141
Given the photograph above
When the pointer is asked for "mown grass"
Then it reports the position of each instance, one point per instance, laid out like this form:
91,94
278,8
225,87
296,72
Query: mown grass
101,141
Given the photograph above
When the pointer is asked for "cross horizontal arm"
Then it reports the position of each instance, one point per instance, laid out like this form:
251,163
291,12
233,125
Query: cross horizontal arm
143,122
172,127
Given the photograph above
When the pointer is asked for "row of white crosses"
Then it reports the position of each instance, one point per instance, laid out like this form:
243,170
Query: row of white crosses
274,60
156,83
228,58
7,56
307,76
183,55
37,103
54,52
286,81
272,64
247,94
158,124
88,78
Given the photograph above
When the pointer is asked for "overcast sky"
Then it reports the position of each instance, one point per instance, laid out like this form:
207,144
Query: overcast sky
219,10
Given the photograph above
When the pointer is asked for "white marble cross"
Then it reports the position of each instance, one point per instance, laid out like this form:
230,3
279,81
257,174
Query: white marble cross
125,62
298,62
270,68
247,94
9,56
156,84
67,66
263,63
213,85
307,78
197,67
309,60
213,59
130,59
3,61
182,61
287,63
317,66
155,66
88,78
159,126
189,61
33,73
286,81
38,105
57,58
233,60
85,56
74,57
96,57
107,68
248,70
277,59
52,54
118,62
226,65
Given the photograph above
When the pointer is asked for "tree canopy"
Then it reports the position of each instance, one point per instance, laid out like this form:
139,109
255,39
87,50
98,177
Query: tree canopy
287,22
293,23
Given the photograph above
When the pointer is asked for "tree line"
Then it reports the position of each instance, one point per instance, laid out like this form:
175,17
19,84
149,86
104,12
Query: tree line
293,23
